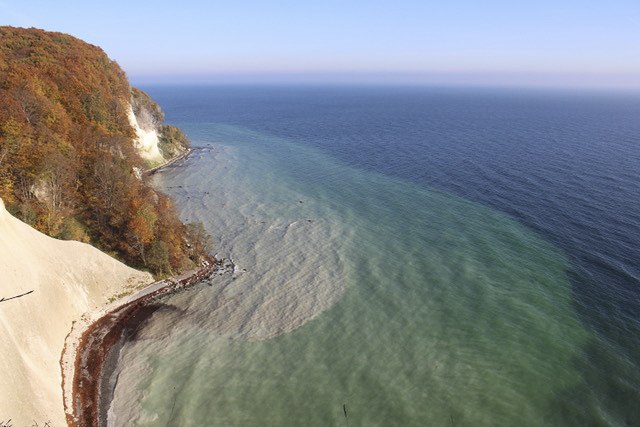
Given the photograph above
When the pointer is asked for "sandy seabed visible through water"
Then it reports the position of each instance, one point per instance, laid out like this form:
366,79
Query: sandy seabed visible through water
350,288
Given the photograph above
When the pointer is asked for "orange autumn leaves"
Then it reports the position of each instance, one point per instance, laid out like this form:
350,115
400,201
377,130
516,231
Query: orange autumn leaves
67,161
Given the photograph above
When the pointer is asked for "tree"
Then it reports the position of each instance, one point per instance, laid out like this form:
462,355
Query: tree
199,240
58,183
158,258
141,229
67,159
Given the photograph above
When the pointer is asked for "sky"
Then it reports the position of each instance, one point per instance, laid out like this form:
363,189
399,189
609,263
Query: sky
490,42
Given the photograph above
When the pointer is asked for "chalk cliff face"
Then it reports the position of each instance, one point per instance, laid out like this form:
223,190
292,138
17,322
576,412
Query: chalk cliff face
146,141
66,279
156,142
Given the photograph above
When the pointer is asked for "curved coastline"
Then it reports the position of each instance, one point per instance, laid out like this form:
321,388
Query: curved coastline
95,338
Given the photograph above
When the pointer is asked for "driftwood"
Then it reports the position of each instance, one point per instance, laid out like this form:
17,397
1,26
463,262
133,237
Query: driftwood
17,296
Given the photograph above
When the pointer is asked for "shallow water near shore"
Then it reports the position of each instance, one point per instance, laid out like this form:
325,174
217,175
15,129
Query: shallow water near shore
359,298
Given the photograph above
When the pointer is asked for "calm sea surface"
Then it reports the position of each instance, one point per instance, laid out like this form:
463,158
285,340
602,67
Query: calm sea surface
404,257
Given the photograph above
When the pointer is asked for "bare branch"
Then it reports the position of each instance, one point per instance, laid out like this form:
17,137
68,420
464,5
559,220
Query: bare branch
4,154
14,297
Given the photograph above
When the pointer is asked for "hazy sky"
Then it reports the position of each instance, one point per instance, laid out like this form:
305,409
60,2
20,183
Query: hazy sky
552,42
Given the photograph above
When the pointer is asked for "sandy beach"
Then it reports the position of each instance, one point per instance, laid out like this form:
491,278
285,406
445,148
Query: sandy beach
92,345
50,286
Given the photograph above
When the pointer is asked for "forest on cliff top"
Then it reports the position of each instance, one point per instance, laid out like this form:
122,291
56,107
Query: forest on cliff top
68,163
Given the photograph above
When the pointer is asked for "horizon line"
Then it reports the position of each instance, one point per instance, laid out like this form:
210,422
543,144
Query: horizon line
508,79
500,85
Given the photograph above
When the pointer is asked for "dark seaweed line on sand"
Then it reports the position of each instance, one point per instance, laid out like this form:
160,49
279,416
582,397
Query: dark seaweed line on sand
91,399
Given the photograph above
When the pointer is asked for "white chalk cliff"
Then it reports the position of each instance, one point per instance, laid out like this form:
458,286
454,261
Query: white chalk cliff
67,279
147,138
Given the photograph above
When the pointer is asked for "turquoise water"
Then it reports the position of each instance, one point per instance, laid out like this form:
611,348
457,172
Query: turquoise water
358,299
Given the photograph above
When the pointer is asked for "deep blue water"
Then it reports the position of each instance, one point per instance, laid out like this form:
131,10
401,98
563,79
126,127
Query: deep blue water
565,165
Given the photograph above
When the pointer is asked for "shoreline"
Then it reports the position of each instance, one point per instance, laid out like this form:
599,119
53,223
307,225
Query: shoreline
93,338
152,171
90,344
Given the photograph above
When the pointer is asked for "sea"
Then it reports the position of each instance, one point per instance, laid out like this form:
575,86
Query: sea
403,256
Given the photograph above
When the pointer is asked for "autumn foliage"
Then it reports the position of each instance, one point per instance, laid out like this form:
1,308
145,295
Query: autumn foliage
67,159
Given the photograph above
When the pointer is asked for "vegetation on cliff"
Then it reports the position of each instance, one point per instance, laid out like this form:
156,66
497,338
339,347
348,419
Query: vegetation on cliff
68,163
172,142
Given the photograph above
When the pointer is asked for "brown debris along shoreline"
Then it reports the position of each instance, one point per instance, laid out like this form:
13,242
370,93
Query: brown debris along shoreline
90,398
170,162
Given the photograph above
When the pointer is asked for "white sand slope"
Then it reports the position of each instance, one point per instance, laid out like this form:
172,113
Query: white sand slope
67,280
